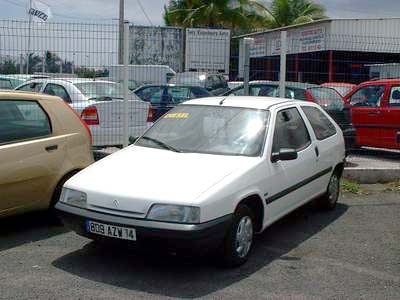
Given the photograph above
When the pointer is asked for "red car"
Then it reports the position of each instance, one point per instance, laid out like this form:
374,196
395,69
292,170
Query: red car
375,107
342,88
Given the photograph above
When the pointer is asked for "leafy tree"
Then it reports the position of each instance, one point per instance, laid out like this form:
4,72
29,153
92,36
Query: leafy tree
35,62
8,66
84,72
292,12
241,15
232,14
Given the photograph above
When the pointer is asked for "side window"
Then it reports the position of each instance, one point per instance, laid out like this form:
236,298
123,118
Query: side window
321,125
290,131
394,99
5,84
31,87
151,94
21,120
57,90
237,92
369,96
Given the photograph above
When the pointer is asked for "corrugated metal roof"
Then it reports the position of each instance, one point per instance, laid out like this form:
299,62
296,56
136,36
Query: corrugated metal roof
314,23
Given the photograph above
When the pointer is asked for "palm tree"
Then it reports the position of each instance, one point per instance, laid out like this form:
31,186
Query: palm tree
291,12
233,14
241,14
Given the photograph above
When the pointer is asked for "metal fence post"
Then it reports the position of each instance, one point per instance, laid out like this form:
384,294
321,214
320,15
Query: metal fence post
246,66
282,73
126,88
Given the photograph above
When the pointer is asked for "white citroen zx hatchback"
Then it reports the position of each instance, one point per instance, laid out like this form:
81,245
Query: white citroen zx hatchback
210,174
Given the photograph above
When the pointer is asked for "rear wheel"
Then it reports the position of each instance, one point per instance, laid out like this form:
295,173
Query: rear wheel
239,238
331,196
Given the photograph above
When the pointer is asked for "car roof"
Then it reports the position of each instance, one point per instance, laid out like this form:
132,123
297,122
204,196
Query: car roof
24,95
292,84
70,80
345,84
382,81
243,101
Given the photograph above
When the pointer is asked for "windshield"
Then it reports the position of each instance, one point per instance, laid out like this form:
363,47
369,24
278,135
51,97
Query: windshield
327,98
98,90
342,90
209,129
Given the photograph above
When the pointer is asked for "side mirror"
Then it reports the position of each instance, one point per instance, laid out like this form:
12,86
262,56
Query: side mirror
284,154
132,139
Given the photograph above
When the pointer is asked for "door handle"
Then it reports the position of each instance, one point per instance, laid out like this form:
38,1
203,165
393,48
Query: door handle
374,113
317,151
51,148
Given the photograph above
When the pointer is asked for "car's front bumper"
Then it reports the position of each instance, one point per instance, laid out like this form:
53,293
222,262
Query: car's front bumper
171,236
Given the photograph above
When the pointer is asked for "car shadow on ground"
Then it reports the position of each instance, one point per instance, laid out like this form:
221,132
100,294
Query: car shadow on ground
31,227
191,277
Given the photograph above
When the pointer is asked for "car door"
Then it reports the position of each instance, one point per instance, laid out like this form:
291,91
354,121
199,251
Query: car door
28,154
57,90
325,144
292,184
367,114
391,117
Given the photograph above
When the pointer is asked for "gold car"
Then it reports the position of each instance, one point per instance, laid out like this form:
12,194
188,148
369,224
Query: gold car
42,144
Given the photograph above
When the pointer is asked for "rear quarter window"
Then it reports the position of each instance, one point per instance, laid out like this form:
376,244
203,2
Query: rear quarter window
323,128
22,120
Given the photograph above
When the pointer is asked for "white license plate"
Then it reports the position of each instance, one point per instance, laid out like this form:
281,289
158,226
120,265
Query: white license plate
123,233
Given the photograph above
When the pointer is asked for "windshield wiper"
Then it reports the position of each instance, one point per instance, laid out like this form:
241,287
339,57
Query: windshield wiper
162,144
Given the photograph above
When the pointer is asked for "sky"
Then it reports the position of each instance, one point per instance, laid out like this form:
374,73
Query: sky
151,14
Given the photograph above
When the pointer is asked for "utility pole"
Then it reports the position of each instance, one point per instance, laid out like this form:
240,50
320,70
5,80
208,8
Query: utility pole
121,33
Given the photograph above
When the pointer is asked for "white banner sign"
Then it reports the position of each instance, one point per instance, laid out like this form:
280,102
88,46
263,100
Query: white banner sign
40,11
207,50
258,47
312,40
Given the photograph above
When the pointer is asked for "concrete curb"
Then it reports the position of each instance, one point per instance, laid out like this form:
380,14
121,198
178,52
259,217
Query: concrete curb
371,175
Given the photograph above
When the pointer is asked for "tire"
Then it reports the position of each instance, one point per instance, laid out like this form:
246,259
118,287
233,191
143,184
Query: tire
329,200
239,238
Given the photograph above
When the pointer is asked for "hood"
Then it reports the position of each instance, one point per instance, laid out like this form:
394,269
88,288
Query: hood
131,180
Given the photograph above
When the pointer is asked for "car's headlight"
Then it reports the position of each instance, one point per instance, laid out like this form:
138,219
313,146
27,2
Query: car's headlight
73,197
174,213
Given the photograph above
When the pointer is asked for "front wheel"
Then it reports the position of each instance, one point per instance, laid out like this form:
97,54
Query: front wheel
330,198
239,238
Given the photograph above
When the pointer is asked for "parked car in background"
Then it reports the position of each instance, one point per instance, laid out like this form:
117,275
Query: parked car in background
375,107
100,104
293,90
9,82
43,142
165,97
333,103
216,84
342,88
227,168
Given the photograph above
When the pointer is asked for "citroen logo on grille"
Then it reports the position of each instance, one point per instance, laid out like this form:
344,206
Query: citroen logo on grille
116,203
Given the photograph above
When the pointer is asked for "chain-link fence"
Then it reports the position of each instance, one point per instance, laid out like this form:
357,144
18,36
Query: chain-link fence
168,65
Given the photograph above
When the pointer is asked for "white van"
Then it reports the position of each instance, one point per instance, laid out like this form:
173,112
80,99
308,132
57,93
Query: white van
139,75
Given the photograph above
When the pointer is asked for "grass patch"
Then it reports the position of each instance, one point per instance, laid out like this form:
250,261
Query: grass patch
393,187
349,186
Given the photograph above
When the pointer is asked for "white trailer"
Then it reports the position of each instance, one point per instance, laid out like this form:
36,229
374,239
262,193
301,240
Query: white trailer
139,75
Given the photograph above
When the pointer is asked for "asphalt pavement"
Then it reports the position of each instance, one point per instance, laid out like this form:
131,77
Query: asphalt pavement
350,253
